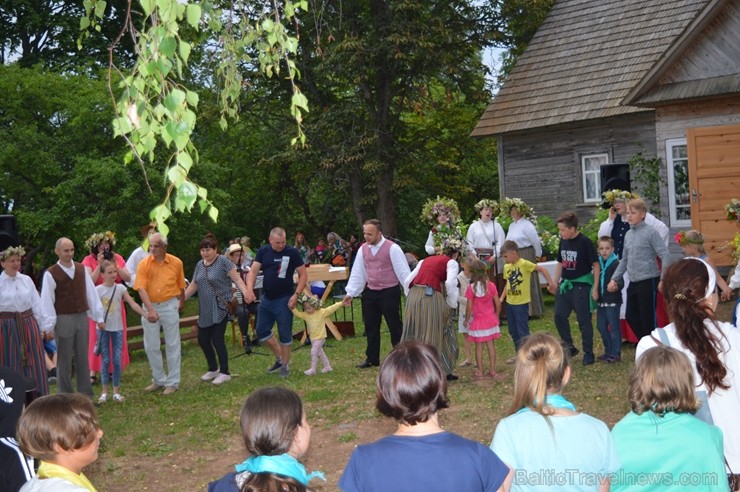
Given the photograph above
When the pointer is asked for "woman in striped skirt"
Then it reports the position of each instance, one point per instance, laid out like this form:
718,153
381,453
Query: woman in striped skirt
524,234
431,294
21,345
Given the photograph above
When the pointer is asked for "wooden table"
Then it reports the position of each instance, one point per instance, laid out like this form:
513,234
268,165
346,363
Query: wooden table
325,273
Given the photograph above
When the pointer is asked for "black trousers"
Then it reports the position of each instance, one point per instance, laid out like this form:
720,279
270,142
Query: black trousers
384,303
640,312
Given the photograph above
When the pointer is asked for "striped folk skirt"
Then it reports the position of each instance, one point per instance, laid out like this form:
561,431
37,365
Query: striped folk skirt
427,319
22,348
536,306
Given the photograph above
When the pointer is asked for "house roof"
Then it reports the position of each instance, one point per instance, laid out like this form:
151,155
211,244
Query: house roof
585,59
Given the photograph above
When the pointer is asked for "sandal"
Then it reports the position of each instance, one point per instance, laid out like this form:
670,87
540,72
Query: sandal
465,363
478,375
93,379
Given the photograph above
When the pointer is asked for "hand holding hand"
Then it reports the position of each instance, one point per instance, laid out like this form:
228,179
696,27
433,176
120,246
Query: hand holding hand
612,286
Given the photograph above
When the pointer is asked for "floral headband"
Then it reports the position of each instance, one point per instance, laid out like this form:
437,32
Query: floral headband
487,203
99,237
508,203
12,251
453,244
440,206
610,196
683,240
312,300
732,209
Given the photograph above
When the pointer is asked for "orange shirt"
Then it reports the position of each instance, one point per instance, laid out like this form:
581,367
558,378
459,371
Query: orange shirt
162,281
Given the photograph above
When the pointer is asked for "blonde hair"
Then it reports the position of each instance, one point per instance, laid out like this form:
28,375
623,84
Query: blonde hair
696,238
68,420
637,204
541,363
663,381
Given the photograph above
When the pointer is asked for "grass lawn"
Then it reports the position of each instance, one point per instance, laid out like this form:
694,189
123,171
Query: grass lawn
183,441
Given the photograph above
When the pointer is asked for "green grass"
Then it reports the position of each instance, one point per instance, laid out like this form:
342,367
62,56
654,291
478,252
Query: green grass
150,434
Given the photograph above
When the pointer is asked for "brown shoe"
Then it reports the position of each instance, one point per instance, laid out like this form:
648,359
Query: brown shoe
153,387
168,390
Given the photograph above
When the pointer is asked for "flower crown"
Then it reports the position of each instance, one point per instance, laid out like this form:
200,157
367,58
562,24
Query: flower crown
610,196
487,203
453,244
733,209
508,203
312,300
438,206
99,237
683,240
12,251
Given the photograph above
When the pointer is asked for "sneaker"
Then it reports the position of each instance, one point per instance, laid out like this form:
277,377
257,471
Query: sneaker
326,369
221,379
103,398
310,372
613,359
284,371
118,397
168,390
209,375
52,376
574,351
275,367
153,387
602,357
588,359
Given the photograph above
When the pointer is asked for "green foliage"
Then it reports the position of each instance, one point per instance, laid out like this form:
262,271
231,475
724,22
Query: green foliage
591,228
647,176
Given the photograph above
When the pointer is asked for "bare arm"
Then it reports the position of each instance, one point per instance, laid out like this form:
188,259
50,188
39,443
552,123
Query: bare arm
192,289
254,271
302,279
546,274
134,305
597,273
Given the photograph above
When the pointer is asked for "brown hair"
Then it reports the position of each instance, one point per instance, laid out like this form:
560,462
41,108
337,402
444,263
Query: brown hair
684,286
663,381
568,219
637,204
208,242
606,239
479,275
67,420
374,222
411,386
540,368
509,247
272,482
269,420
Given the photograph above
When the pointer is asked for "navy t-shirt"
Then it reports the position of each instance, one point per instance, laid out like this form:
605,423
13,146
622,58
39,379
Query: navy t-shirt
577,256
278,269
434,463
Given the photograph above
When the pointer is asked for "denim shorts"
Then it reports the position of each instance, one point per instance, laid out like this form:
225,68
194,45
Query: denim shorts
273,311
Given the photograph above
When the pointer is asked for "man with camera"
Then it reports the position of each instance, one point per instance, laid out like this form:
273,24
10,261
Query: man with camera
160,281
68,296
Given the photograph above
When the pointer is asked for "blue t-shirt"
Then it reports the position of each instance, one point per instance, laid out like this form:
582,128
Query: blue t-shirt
278,269
573,455
437,462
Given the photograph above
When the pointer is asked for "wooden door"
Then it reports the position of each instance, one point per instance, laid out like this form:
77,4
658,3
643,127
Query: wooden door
714,178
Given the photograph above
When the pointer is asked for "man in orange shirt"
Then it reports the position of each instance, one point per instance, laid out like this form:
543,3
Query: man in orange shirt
160,281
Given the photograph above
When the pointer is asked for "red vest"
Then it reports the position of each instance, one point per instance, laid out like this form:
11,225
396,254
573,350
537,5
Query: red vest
70,296
433,272
379,268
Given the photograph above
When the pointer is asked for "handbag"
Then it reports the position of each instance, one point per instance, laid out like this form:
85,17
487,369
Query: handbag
98,348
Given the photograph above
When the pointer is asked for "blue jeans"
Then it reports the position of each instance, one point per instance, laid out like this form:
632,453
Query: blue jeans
607,321
517,315
111,340
577,299
273,311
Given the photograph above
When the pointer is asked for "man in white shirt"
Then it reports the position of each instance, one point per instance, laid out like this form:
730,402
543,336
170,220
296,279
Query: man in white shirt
68,297
378,272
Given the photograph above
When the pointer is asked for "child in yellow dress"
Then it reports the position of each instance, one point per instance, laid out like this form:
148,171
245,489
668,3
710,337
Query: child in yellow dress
315,317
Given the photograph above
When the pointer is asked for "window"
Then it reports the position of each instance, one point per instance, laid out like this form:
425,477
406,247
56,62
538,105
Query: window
679,199
591,172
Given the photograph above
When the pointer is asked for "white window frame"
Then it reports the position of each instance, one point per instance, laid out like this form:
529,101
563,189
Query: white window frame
585,173
670,144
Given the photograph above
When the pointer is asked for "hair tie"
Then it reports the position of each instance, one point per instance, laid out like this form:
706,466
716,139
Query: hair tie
680,297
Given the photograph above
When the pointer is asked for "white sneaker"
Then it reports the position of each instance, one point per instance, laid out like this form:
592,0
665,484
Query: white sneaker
209,375
103,398
221,379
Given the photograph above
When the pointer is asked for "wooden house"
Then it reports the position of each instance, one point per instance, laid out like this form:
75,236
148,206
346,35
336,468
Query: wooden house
603,80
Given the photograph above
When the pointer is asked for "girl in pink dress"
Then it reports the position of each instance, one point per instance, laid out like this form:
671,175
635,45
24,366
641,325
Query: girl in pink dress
484,306
101,247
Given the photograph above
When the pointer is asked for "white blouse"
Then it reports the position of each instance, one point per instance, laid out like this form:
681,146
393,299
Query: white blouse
524,234
19,294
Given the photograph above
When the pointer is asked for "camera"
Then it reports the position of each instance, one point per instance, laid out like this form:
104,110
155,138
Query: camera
107,255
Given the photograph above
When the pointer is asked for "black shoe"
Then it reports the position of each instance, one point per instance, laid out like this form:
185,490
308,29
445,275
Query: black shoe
588,359
255,341
367,364
573,351
248,350
452,377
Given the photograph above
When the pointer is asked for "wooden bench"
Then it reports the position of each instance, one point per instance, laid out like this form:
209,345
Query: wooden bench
190,322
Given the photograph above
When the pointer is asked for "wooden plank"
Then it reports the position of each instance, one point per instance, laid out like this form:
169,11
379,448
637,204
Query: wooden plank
138,331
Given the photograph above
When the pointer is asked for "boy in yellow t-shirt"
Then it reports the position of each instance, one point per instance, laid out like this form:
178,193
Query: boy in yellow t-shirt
518,275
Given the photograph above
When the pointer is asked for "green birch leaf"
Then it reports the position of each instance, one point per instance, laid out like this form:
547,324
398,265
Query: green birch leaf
193,14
